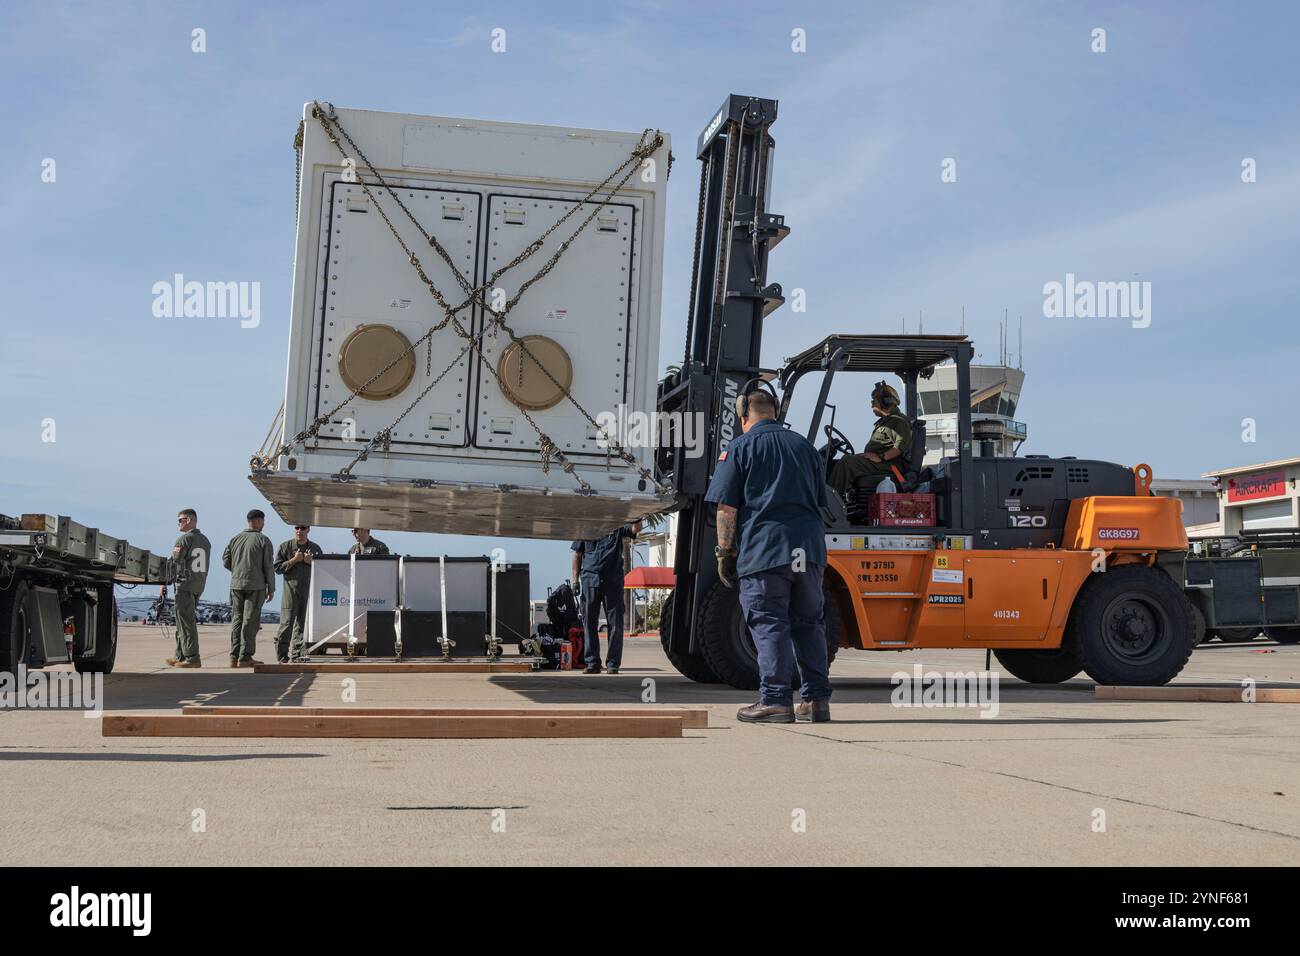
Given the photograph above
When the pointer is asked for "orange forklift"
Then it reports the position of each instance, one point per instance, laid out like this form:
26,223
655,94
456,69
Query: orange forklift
1058,565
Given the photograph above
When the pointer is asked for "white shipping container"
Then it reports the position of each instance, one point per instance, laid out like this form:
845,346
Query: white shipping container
461,455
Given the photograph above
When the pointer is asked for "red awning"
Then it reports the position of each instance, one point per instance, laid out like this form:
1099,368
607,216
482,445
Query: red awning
647,577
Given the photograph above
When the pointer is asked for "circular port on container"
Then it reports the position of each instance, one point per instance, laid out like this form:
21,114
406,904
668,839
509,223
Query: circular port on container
523,374
369,349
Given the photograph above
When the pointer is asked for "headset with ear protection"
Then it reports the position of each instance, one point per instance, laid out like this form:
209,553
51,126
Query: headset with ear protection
749,388
885,395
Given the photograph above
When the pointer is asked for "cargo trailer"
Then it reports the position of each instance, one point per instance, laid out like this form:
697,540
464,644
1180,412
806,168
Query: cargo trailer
56,591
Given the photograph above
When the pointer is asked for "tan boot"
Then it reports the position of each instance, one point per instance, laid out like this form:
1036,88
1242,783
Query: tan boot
194,663
813,711
171,662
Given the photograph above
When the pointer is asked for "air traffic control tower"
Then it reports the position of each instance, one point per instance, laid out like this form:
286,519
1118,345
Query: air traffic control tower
995,392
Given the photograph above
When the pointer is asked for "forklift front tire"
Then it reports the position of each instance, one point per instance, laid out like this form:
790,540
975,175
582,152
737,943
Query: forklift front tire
691,666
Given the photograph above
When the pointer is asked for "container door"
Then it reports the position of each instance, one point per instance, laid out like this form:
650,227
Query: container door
375,306
576,323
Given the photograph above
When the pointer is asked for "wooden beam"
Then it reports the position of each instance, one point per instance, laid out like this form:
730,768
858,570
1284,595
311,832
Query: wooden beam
398,667
1225,695
179,725
693,718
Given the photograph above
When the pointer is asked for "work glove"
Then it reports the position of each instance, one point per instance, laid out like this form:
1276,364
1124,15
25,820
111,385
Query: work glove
726,565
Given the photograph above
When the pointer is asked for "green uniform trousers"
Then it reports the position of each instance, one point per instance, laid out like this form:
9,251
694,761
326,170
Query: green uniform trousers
187,630
852,467
245,618
293,621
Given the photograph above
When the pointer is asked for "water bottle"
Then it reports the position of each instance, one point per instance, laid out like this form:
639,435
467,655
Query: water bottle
887,487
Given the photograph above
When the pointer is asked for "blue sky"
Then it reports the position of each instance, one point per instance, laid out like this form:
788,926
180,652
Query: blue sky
1112,166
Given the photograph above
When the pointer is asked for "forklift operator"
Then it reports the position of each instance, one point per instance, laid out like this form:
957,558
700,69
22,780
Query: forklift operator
888,448
770,481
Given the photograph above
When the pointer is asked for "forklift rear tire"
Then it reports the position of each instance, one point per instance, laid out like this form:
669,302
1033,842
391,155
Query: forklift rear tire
1041,667
1132,625
1236,635
1284,635
727,644
692,666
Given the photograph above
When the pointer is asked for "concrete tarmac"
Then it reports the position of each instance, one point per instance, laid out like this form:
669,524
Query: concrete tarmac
1055,778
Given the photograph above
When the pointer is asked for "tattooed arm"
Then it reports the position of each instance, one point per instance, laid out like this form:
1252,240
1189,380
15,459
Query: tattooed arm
726,526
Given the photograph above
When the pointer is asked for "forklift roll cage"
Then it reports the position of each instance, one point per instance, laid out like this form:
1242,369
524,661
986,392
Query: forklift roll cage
910,357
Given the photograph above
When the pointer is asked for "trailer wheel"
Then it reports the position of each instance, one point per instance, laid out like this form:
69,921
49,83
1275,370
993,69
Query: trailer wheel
1200,635
1236,635
1132,625
692,666
18,616
103,661
1284,635
728,646
1041,667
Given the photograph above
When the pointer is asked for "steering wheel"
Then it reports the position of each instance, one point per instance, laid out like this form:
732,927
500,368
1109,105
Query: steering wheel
836,443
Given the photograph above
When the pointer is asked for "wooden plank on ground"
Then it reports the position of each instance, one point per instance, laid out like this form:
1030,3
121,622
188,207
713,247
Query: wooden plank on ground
693,718
180,725
397,667
1226,695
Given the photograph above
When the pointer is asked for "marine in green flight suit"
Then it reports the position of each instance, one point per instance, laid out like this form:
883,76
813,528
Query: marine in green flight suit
366,544
249,559
890,443
293,561
190,558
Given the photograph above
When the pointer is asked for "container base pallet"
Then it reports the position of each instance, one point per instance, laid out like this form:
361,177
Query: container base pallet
1225,695
398,667
693,718
465,725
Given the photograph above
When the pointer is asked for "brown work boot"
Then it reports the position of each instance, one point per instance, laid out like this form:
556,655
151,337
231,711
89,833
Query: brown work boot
194,663
249,662
234,662
171,662
813,711
762,713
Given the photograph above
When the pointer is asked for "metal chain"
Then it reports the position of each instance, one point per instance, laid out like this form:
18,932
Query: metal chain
385,435
297,164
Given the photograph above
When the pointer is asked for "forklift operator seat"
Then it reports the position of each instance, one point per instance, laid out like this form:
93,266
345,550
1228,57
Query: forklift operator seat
909,465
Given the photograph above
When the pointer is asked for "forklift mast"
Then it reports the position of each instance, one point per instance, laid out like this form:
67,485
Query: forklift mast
729,298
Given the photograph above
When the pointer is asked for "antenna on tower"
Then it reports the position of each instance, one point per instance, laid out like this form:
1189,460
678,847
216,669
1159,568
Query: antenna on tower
1020,348
963,320
920,321
1005,321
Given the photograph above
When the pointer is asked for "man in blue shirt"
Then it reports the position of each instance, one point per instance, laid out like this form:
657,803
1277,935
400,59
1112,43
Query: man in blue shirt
598,571
770,486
